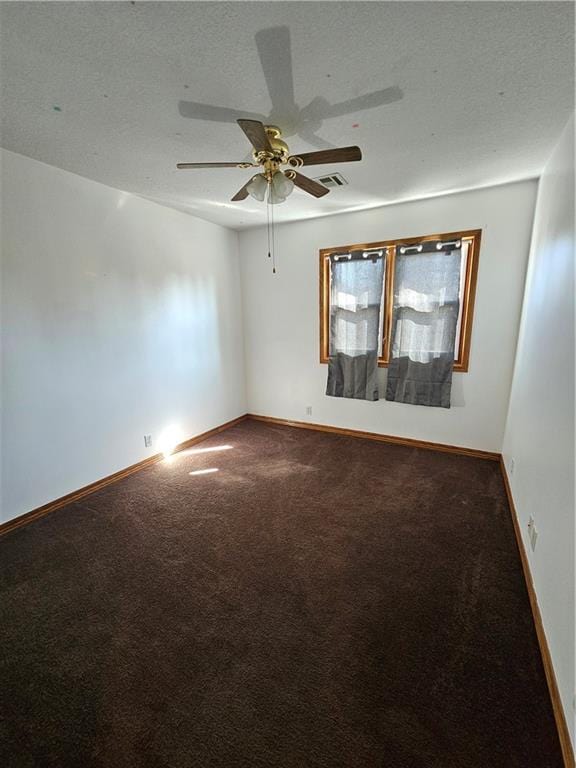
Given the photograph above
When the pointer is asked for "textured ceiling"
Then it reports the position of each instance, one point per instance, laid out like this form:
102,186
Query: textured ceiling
440,96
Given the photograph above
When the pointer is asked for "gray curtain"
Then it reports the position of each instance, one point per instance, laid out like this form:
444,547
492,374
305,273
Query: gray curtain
355,325
424,324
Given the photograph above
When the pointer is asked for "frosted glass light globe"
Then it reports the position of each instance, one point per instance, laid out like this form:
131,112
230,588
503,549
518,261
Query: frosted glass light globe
280,188
257,187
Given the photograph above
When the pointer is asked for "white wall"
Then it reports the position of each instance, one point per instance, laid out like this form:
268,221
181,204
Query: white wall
119,318
282,325
540,428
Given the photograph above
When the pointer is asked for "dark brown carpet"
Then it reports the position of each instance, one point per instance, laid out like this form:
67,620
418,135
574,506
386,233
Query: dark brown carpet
320,602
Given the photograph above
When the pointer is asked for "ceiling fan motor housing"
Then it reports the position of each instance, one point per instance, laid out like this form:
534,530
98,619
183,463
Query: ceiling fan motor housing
279,147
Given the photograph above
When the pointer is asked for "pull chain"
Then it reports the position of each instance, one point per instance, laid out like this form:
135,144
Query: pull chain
273,242
268,223
270,229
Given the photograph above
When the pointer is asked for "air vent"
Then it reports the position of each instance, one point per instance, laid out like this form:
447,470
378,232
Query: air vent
332,180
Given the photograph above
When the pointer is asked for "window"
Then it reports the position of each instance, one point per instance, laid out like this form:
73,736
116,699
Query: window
395,294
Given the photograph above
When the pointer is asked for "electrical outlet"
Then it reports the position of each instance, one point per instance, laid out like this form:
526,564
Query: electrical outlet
147,441
512,466
308,410
532,533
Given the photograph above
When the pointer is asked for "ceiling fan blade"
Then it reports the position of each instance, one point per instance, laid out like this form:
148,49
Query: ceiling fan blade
184,166
337,155
242,193
309,185
255,134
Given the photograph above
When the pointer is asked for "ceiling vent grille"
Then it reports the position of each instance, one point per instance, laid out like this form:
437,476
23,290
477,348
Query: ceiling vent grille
332,180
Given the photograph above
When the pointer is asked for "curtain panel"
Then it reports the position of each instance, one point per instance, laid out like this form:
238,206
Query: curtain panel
424,323
356,295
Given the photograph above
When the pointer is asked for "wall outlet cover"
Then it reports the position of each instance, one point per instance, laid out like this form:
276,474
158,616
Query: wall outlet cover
308,410
532,533
147,441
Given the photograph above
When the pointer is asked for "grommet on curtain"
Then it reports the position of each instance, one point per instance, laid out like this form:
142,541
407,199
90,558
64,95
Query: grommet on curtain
407,248
455,243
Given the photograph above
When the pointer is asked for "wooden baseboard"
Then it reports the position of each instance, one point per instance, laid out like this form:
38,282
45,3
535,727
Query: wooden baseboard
563,733
406,441
29,517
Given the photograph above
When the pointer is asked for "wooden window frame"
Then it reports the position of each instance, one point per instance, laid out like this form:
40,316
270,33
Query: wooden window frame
472,236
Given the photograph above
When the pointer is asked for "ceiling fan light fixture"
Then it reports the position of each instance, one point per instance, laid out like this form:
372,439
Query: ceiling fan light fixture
280,188
257,187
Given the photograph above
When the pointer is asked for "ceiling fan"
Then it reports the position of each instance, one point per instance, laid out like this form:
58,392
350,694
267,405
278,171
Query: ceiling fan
270,153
